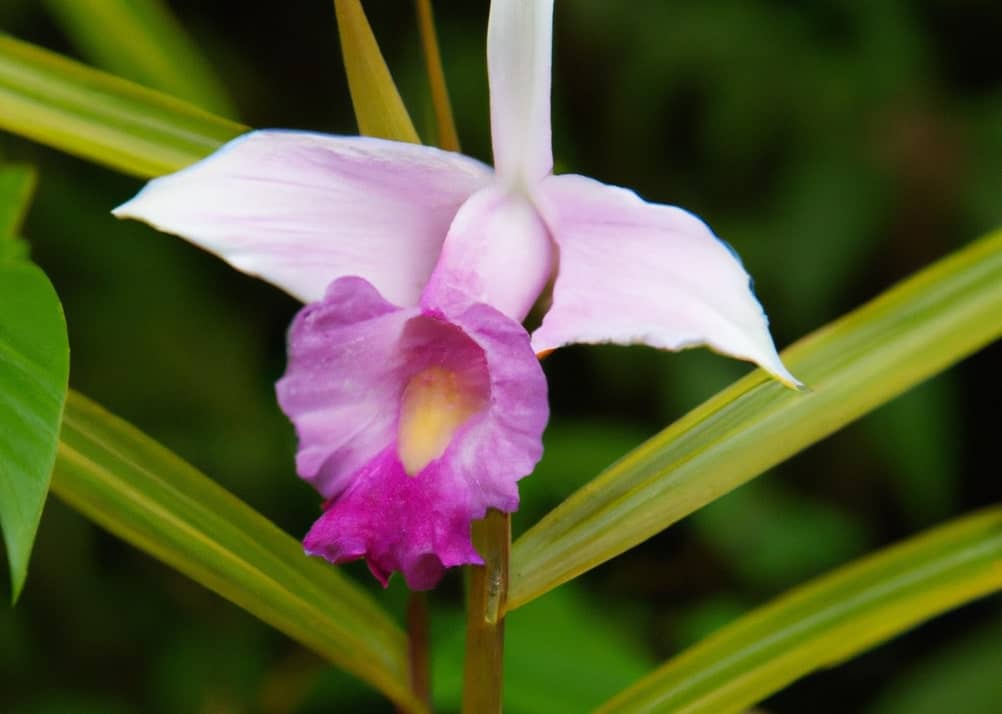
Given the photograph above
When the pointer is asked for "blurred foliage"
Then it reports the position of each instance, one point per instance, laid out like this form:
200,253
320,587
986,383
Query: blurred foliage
937,681
142,41
837,146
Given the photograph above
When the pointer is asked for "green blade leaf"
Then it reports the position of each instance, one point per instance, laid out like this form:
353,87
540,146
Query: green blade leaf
141,40
97,116
860,361
34,371
148,496
89,113
827,621
378,107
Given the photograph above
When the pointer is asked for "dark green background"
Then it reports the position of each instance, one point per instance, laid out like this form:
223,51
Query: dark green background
839,146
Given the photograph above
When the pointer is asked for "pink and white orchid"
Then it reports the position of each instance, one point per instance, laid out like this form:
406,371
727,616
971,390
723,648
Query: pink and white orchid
412,385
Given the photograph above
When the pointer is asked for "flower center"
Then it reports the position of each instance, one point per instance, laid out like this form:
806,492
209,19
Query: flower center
436,402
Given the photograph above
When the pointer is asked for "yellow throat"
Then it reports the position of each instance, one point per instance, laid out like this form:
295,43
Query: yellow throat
433,407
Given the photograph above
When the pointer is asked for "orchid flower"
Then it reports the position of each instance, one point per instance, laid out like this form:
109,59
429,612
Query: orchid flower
414,390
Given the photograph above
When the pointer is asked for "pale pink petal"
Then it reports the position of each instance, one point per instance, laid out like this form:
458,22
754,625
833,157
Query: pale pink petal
497,252
636,272
519,45
300,209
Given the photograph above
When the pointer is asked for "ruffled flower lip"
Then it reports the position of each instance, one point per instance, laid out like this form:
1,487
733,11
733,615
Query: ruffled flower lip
412,424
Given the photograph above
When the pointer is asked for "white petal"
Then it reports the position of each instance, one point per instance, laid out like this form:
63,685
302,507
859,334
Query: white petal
519,46
636,272
300,209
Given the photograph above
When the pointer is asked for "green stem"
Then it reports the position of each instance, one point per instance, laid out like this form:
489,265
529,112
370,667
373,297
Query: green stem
418,645
486,594
448,138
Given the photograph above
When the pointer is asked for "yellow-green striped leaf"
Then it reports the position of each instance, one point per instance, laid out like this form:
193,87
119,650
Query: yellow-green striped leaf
914,330
826,621
92,114
148,496
378,107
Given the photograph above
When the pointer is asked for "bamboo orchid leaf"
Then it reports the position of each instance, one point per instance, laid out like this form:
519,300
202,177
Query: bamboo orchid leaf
148,496
83,111
912,331
826,621
378,107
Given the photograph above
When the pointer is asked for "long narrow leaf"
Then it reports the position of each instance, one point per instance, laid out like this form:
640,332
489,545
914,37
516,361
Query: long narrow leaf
148,496
141,40
826,621
379,109
89,113
916,329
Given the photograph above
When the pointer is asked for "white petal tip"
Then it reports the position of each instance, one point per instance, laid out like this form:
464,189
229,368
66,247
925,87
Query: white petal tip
122,211
778,372
133,208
